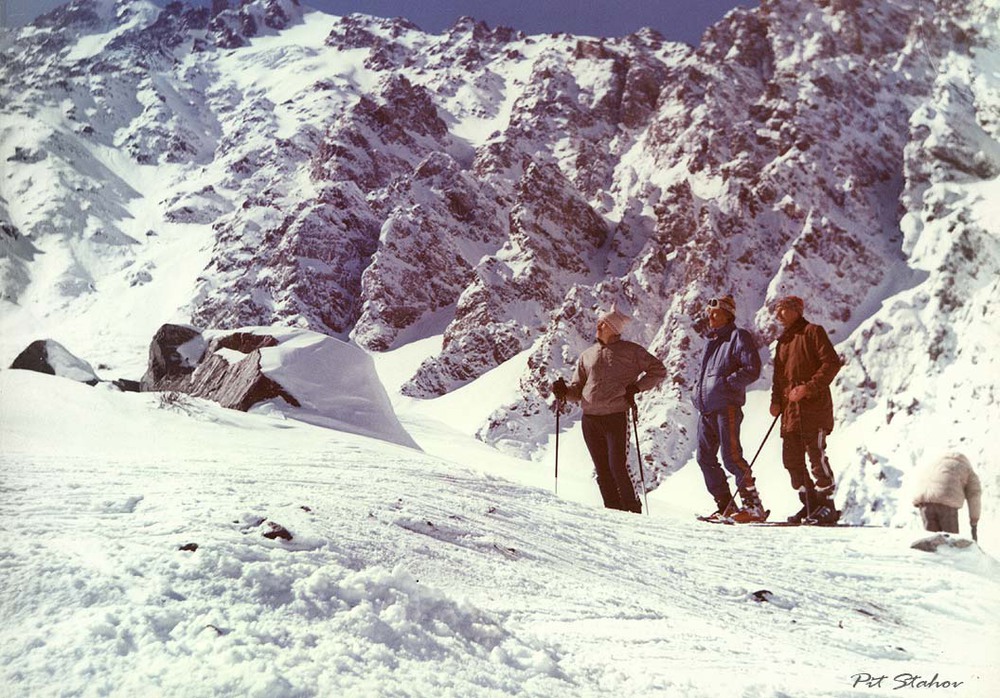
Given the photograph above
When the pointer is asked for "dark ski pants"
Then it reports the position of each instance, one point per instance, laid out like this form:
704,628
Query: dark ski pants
606,437
721,431
938,517
794,449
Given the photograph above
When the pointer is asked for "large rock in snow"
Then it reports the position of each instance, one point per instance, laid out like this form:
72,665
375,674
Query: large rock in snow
305,375
173,355
231,374
51,357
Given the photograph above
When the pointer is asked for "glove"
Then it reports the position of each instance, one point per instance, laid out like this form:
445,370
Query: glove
630,391
975,533
775,409
559,389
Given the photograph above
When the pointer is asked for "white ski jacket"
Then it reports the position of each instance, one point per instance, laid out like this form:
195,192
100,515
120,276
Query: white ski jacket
950,481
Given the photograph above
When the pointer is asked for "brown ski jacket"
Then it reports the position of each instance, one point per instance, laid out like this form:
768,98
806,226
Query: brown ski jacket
805,356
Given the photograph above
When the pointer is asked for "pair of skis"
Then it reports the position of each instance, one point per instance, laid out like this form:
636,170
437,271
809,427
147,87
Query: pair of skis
729,522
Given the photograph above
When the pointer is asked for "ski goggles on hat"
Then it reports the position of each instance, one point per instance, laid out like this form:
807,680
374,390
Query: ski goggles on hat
725,303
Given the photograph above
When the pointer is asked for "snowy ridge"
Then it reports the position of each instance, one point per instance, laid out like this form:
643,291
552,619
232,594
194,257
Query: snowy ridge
265,164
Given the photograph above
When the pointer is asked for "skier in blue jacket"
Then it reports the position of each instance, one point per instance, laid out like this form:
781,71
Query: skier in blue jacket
730,364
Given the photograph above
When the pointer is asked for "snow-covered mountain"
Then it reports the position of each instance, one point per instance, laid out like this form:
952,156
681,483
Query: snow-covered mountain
266,164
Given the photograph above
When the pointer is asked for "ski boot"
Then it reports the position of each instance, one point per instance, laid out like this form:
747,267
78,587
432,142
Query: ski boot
810,503
752,510
725,508
825,514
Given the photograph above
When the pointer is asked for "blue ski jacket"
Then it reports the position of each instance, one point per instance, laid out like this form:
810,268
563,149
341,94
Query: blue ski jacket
730,364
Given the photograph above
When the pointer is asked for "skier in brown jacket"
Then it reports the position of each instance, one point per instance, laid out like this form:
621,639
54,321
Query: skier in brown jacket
607,377
805,363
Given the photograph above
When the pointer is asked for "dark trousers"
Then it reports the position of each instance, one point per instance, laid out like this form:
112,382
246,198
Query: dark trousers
720,431
606,437
938,517
794,449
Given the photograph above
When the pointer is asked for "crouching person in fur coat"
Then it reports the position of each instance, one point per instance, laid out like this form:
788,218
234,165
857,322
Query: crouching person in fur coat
942,488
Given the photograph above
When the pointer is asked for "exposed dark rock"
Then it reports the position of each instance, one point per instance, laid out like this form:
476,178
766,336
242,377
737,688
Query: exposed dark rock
243,342
26,155
127,386
34,358
239,385
276,530
169,368
179,360
49,357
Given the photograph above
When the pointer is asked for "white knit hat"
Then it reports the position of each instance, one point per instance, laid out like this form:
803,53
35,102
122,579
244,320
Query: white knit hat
616,319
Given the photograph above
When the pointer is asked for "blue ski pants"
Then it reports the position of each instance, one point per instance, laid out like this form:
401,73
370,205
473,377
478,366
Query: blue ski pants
720,431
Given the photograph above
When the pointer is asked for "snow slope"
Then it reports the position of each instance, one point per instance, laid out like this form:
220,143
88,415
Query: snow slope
411,574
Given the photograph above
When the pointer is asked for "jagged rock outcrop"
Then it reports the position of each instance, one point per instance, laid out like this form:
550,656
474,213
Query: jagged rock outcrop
16,255
463,218
234,378
174,353
554,238
225,369
305,375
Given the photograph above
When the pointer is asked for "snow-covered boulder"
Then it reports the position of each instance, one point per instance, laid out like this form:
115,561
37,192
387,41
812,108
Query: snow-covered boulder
51,357
334,382
304,375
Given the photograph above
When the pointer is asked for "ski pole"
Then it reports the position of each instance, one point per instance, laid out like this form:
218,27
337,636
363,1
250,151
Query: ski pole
642,474
739,482
766,436
558,413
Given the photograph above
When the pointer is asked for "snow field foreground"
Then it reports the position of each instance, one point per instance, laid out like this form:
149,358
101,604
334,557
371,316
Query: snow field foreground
407,576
